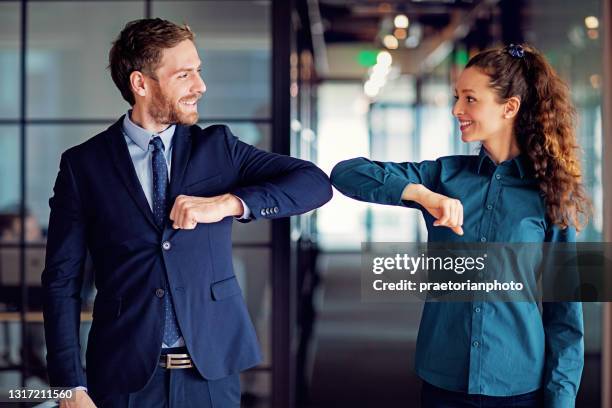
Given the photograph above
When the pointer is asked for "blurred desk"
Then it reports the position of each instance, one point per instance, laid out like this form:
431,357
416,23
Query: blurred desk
34,317
10,272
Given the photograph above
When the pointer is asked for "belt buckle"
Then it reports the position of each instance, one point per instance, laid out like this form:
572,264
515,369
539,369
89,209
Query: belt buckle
178,361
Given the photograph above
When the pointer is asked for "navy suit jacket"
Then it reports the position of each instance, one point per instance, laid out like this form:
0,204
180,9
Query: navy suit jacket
99,205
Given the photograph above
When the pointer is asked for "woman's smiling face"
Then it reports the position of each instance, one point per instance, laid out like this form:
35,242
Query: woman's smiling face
481,117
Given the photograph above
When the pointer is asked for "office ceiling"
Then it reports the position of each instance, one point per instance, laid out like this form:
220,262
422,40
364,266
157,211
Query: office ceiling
363,21
348,27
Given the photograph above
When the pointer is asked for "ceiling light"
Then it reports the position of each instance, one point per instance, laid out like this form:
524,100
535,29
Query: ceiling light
384,58
390,42
591,22
370,89
401,21
399,33
593,34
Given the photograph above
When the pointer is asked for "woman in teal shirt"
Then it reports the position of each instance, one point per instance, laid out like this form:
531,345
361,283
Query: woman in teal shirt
524,186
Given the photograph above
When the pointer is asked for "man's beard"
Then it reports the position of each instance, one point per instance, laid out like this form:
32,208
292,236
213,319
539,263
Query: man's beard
164,111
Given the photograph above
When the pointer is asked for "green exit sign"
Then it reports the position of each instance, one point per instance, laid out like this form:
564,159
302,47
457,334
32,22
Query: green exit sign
461,57
367,58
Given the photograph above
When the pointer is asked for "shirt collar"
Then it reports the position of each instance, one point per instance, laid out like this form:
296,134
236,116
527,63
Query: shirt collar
519,162
482,157
141,137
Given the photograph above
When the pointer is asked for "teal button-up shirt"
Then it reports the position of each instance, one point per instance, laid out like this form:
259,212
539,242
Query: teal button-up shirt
490,348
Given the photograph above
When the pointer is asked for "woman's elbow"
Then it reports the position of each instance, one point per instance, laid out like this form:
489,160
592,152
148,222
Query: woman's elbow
342,172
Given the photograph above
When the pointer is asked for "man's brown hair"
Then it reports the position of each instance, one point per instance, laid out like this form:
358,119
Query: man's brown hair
139,48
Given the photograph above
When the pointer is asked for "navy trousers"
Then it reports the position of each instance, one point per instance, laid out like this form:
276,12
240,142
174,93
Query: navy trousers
178,388
434,397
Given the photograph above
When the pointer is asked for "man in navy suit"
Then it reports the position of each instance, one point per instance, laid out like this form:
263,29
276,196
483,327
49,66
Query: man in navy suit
153,199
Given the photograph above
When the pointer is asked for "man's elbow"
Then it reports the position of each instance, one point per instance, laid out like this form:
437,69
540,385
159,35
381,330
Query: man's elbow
323,189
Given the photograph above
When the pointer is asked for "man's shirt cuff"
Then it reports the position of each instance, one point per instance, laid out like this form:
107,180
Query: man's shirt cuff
246,213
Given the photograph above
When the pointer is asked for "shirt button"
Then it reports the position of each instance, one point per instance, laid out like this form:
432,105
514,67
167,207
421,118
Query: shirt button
160,293
166,245
475,344
497,176
477,310
483,239
489,207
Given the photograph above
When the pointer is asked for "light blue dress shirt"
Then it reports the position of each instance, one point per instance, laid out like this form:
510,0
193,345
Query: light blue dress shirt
491,348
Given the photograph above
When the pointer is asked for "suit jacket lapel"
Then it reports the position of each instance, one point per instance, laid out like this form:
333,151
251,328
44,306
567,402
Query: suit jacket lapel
181,151
125,167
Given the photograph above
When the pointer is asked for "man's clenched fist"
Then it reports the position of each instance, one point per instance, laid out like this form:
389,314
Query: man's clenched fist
188,211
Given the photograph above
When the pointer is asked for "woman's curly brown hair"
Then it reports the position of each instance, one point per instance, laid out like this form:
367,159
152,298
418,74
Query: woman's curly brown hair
544,128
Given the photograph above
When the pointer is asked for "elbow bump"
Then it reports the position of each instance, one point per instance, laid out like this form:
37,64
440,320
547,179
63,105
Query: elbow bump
337,172
341,168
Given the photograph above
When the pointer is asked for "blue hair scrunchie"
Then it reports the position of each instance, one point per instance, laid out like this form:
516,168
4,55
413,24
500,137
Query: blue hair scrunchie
516,51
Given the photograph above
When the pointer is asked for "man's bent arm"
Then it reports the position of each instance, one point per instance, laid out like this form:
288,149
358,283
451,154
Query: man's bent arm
274,185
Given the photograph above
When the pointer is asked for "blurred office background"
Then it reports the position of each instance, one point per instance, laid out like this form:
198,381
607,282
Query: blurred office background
323,80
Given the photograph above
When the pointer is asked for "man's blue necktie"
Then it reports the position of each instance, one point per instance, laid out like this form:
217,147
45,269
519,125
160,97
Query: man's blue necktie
160,186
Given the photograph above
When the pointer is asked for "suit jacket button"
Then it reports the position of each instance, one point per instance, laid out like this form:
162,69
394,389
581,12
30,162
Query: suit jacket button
275,210
263,212
166,245
160,293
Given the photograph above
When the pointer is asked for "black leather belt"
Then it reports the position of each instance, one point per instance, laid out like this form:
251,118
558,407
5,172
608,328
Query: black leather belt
175,358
